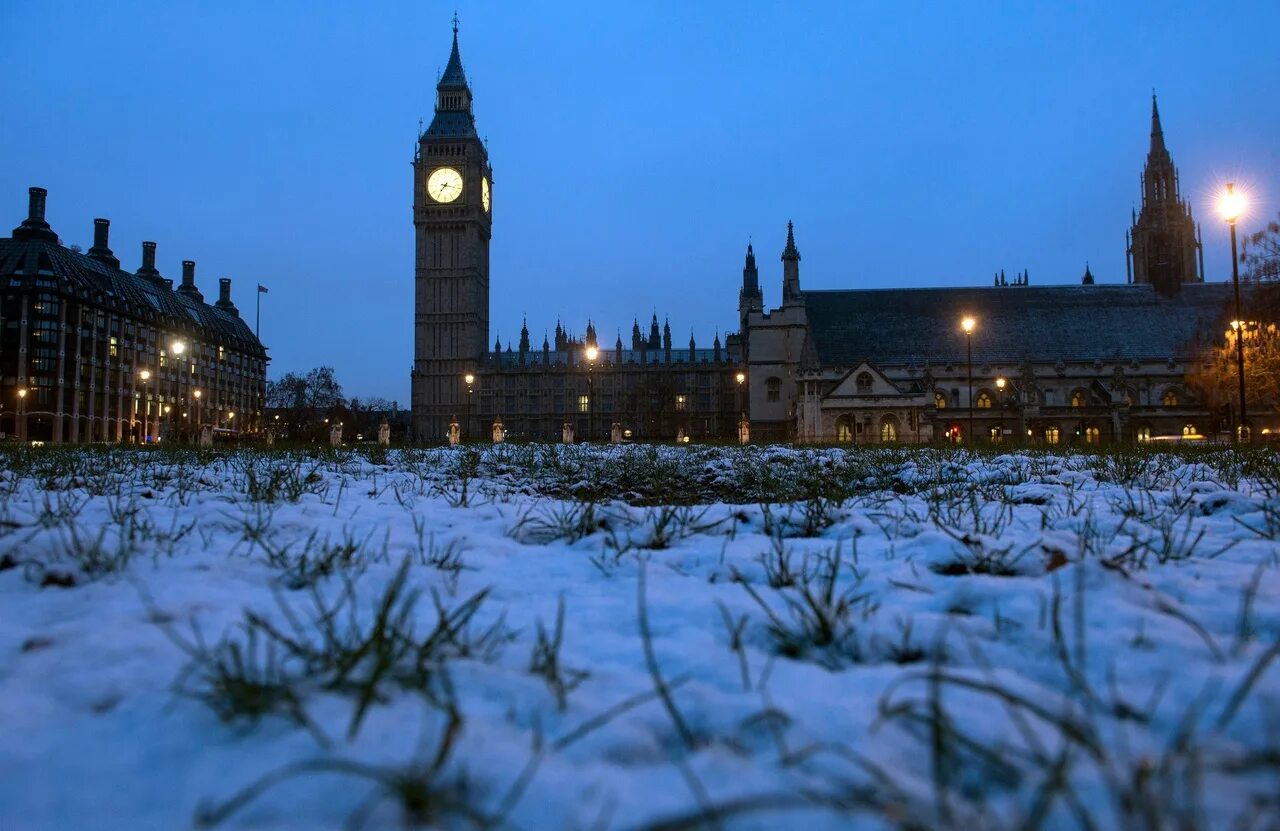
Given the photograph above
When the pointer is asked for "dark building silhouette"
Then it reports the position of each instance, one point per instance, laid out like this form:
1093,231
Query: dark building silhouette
90,352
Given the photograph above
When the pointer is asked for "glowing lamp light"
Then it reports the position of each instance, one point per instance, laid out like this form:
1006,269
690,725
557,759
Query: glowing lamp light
230,416
1232,203
741,376
178,347
592,353
22,393
145,374
469,378
197,394
968,325
1000,382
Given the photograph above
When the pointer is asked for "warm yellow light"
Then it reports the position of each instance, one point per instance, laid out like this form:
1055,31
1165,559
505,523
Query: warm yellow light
469,378
277,418
145,374
197,393
1231,204
166,409
178,347
1000,382
231,416
22,393
592,353
967,325
742,376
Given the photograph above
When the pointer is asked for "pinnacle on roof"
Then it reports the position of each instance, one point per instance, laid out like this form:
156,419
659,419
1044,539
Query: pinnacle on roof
751,257
453,77
790,252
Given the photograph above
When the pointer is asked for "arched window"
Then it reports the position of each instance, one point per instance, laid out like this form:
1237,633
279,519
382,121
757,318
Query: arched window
773,389
1144,433
1051,435
1189,430
1170,398
1092,435
995,434
984,401
889,428
1078,399
940,400
844,429
863,382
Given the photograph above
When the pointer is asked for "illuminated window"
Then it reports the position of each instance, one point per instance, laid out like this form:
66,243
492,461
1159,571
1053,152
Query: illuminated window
995,435
984,401
1144,433
115,348
682,402
863,382
222,354
1170,398
1189,430
939,401
1051,435
1078,399
584,403
844,429
1092,435
161,357
888,429
773,389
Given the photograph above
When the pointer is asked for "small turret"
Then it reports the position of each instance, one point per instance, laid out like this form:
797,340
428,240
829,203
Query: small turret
791,295
1087,280
637,342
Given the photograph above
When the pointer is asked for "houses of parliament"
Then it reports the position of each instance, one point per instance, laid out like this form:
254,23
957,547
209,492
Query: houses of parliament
1081,362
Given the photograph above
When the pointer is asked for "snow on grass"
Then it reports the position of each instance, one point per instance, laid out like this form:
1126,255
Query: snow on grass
639,637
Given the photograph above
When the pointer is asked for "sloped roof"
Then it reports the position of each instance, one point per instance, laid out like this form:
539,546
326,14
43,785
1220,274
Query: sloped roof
1014,323
147,298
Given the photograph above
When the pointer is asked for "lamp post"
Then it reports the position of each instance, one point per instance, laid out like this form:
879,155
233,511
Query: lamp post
1232,204
197,394
144,376
1000,382
21,426
470,379
968,325
178,348
592,353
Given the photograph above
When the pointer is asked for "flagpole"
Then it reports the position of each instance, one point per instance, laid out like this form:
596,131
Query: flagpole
257,318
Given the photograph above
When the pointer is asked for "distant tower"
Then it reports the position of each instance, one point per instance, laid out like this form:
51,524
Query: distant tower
452,223
1163,245
791,295
750,299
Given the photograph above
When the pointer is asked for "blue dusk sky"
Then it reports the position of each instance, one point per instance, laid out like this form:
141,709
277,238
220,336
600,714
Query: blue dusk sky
636,148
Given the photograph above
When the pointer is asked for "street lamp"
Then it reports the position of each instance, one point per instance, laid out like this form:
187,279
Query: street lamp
470,379
592,353
1231,205
145,376
1000,382
968,325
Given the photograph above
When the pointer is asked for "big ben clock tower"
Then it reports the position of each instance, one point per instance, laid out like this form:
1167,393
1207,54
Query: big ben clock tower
452,202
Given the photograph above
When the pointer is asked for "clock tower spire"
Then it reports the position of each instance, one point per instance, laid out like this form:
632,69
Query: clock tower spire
452,220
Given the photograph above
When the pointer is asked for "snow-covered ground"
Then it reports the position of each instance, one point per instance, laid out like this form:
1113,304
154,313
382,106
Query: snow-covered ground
562,638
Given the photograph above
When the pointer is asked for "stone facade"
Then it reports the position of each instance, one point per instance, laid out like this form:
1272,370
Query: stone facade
92,353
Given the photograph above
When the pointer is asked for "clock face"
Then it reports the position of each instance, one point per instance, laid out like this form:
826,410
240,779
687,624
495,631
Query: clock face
444,184
484,192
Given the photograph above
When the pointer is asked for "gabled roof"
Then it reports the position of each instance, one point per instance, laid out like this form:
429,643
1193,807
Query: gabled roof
1037,323
148,298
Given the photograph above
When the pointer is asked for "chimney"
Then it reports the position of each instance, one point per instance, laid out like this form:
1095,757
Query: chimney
224,296
35,203
34,226
101,251
148,268
188,286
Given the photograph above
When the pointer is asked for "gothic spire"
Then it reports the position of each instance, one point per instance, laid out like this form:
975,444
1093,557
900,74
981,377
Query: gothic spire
1157,132
453,77
790,252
